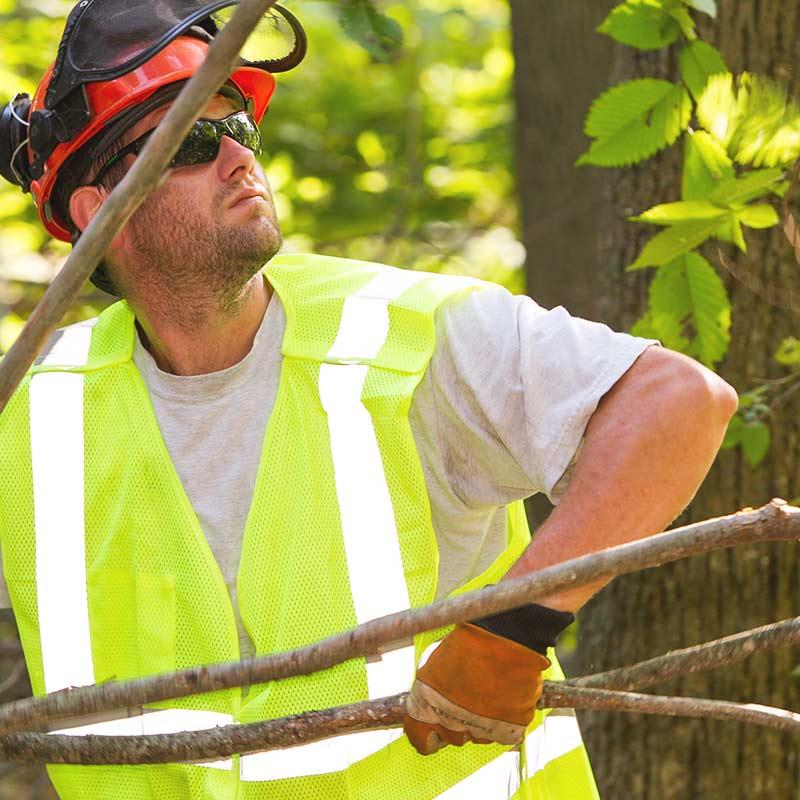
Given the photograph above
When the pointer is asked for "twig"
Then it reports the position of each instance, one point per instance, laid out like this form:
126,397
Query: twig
699,658
605,700
217,743
775,521
125,199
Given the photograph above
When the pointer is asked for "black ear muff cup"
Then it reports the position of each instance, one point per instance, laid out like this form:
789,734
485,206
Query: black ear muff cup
14,164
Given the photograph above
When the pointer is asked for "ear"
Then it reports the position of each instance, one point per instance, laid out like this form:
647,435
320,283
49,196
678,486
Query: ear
84,203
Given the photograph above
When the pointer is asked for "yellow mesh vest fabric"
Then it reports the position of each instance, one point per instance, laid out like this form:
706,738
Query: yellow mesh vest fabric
157,600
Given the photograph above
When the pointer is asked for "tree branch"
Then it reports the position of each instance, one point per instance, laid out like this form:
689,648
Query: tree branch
701,657
127,196
775,521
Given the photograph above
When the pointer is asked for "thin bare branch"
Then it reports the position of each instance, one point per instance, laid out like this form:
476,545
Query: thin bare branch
312,726
775,521
701,657
125,199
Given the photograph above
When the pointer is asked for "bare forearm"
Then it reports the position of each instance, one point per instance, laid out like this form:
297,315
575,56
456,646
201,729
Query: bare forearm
647,448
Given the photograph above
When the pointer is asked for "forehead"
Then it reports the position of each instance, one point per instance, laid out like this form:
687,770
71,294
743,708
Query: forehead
220,105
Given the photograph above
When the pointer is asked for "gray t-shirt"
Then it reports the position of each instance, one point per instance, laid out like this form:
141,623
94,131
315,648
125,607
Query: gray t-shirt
498,416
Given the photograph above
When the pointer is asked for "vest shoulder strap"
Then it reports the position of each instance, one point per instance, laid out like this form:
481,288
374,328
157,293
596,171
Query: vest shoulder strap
343,311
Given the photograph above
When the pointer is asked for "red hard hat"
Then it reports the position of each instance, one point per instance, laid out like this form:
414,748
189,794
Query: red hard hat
178,61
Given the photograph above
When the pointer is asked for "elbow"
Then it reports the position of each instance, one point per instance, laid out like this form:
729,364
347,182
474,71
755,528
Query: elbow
712,400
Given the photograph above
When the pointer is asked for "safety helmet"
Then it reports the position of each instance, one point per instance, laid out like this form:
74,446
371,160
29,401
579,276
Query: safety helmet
77,112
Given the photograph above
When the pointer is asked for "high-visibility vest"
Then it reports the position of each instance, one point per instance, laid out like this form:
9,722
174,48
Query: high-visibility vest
110,575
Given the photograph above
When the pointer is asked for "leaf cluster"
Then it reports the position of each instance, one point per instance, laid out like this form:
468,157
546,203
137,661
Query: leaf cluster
739,136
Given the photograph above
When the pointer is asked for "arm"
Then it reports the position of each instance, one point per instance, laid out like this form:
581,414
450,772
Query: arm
647,448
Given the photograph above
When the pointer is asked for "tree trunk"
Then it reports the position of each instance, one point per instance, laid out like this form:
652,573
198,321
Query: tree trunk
643,615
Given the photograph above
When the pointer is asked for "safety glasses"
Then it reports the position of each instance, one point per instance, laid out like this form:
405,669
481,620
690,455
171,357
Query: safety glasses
202,143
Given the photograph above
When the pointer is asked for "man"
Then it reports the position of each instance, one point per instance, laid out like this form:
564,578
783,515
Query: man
239,460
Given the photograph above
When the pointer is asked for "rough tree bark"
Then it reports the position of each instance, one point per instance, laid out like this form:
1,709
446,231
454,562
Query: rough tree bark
641,615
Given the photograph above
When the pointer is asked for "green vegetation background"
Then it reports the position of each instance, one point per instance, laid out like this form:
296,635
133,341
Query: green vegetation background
406,162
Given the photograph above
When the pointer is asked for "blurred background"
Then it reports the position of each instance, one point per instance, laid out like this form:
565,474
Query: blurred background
455,152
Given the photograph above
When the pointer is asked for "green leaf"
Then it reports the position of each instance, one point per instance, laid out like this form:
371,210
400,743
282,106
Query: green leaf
675,241
635,120
758,216
711,309
757,183
674,213
754,440
642,24
698,62
705,6
733,435
756,122
666,327
705,164
379,35
788,352
684,19
691,292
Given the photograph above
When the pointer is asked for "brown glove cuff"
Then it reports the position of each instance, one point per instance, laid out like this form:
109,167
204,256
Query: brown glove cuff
533,626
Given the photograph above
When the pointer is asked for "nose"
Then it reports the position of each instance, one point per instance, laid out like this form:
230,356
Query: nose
233,157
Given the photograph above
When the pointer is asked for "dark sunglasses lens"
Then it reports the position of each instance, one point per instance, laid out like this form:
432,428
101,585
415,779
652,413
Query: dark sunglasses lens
200,146
202,143
244,129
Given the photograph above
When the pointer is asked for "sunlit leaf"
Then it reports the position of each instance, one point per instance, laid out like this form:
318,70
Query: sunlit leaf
758,216
755,121
676,241
756,183
788,353
643,24
635,120
698,61
683,211
690,290
684,20
705,164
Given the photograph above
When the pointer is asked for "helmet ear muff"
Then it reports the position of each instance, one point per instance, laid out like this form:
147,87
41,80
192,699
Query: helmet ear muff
15,164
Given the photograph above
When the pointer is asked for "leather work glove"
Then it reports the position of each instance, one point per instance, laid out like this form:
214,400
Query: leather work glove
484,680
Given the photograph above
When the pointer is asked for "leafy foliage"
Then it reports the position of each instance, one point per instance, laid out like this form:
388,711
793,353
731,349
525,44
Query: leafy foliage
698,61
378,34
634,120
688,291
755,121
406,162
643,24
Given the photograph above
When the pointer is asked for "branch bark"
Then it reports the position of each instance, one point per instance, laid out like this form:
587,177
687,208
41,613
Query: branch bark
775,521
140,180
219,743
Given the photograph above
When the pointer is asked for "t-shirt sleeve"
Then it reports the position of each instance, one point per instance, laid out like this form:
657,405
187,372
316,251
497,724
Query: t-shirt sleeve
514,387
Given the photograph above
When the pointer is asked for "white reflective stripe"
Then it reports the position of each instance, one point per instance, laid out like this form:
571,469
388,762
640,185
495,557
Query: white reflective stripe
57,461
427,653
71,348
365,315
498,779
168,720
316,758
558,735
372,548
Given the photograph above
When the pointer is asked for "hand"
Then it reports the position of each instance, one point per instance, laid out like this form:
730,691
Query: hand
476,687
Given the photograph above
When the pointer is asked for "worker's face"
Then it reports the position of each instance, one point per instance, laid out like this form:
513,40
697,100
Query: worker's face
212,222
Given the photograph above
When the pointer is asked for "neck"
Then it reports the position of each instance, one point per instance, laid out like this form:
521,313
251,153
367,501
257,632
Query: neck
212,338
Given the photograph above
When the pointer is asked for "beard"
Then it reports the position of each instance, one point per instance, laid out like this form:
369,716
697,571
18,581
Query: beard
191,265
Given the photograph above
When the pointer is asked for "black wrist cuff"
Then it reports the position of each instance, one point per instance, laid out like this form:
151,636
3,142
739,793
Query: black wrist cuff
533,626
